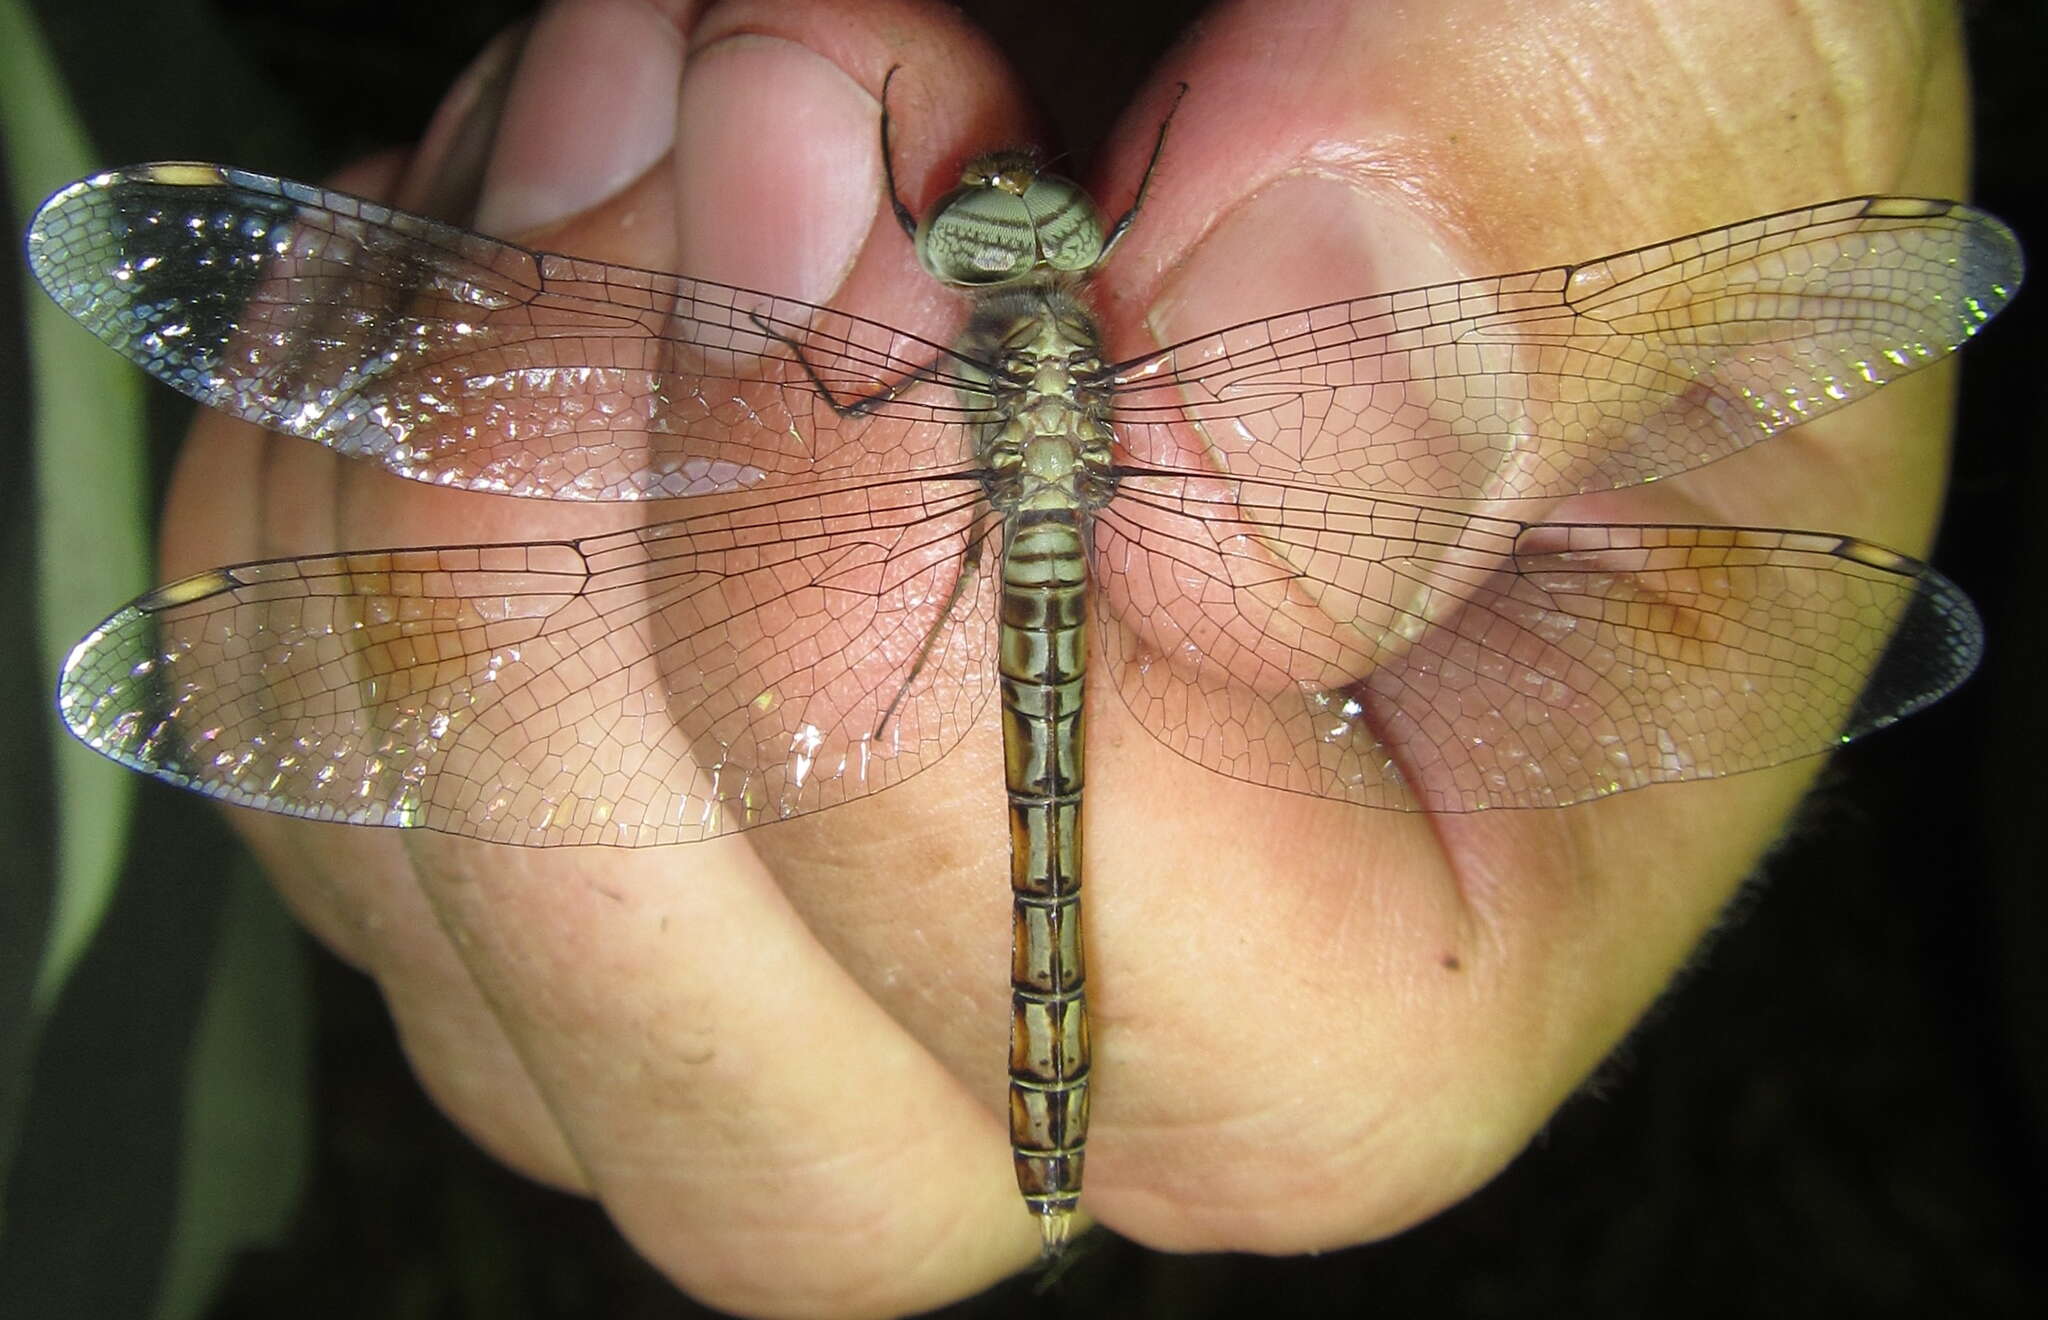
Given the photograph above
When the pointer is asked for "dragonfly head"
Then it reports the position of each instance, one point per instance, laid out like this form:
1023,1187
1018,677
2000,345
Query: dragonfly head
1009,221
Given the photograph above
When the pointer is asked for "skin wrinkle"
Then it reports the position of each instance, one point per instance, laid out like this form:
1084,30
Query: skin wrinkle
1840,93
952,879
466,1071
1261,1191
557,1163
1713,124
1585,120
1493,895
1338,937
1691,98
1905,62
489,968
1277,1185
492,963
1455,145
1260,1109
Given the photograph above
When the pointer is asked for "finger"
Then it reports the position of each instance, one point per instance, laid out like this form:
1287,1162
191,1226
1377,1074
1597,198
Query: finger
690,1027
1471,158
1447,981
590,109
240,494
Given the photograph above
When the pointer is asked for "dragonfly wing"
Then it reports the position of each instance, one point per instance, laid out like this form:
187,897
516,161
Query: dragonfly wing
658,685
1397,655
463,361
1632,367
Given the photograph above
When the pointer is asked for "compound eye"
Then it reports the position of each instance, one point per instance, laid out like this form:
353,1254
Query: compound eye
1006,222
977,235
1069,234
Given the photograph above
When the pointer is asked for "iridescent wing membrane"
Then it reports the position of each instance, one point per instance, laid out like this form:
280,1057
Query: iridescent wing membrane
659,685
1292,621
458,360
1583,377
1278,603
1401,655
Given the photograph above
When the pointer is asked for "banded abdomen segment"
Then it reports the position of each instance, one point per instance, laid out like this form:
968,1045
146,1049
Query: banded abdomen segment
1044,653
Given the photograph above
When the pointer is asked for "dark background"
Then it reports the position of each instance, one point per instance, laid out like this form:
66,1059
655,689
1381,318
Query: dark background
1846,1105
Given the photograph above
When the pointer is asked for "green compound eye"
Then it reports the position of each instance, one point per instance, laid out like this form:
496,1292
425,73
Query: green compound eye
1008,222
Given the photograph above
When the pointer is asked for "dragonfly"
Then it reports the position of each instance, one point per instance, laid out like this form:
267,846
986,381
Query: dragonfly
1281,543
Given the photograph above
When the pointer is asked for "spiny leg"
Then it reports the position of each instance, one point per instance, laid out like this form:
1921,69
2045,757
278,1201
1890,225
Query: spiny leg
970,560
860,407
904,216
1117,230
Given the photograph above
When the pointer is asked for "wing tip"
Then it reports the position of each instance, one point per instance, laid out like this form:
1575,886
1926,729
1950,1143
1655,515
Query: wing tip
1989,261
1936,644
119,655
84,690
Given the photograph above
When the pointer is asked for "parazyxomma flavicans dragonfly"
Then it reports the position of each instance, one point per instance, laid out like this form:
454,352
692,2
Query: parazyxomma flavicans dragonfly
1279,532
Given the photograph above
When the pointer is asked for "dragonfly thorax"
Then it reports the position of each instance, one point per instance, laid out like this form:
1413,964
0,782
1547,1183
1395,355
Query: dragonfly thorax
1007,222
1047,442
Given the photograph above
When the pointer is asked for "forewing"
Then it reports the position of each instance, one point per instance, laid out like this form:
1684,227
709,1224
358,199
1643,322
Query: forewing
1608,373
1395,655
659,685
463,361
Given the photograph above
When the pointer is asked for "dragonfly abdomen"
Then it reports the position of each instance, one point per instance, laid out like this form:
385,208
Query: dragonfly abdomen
1044,655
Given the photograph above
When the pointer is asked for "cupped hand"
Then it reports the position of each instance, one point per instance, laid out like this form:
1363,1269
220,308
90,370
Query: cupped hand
777,1058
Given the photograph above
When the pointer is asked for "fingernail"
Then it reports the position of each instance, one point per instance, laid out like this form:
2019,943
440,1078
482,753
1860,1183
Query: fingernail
778,168
1300,241
446,174
592,106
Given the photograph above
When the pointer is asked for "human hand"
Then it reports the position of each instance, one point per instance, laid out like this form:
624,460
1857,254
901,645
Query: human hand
1315,1024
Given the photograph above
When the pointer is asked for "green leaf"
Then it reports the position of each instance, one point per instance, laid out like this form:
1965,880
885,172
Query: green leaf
90,553
248,1133
90,477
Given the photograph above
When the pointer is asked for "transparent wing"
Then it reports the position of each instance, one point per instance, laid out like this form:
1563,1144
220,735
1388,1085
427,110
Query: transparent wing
463,361
659,685
1396,655
1584,377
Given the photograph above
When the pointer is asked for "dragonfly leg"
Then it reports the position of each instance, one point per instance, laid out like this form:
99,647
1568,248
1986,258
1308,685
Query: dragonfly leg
904,215
970,559
861,406
1116,231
